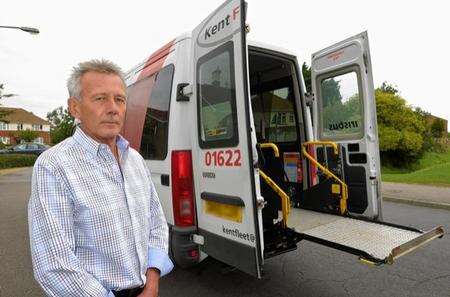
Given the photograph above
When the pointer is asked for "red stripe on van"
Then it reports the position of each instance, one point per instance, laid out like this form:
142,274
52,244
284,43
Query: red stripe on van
139,95
138,99
156,61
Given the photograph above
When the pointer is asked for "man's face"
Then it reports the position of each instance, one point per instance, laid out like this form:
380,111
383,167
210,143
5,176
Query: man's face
102,107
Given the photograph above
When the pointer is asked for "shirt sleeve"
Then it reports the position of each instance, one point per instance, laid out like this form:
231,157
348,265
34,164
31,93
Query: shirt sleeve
50,218
159,234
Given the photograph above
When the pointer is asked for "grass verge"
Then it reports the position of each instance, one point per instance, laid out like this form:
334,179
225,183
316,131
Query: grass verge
432,168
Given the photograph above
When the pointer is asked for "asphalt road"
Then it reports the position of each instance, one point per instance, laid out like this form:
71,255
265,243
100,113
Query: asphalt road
312,270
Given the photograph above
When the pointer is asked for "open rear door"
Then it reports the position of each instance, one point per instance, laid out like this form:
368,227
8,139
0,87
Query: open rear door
345,112
227,214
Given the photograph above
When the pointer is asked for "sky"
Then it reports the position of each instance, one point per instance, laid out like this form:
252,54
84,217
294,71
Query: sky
409,41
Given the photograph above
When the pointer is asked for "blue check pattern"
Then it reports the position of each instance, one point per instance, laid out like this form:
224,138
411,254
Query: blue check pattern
94,226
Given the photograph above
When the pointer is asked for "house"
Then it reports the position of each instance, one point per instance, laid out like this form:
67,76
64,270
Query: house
14,120
431,120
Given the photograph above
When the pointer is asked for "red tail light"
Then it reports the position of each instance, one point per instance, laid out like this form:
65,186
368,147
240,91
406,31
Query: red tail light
182,188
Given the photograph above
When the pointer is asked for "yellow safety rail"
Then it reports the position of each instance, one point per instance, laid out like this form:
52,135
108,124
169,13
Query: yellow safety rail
271,145
328,173
285,200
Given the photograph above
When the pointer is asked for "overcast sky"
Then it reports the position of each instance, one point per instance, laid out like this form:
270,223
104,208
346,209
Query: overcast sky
410,41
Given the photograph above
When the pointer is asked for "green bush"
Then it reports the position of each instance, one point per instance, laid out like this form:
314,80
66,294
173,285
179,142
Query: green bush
402,131
16,160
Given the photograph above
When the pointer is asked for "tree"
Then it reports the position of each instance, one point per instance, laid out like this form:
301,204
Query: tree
28,135
2,96
61,124
306,71
388,88
438,128
401,129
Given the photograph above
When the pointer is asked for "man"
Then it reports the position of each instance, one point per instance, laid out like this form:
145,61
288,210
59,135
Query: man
96,224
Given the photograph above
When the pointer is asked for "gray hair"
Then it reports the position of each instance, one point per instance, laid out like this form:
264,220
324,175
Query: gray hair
101,66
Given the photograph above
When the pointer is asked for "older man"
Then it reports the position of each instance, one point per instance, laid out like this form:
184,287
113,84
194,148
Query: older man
96,224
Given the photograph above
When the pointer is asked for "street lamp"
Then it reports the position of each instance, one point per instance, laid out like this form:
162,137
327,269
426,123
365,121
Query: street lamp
30,30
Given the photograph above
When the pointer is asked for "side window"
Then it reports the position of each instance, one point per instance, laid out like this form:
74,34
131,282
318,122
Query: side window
217,98
156,125
341,107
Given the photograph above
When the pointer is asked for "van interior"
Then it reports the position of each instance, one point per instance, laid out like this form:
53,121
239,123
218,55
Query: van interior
277,120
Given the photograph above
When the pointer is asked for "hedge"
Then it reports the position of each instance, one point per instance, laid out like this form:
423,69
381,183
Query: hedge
16,160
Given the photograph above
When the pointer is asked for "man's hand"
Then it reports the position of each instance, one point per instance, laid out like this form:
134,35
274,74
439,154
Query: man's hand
152,285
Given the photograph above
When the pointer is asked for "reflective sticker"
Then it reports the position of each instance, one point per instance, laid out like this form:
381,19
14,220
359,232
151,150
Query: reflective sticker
224,211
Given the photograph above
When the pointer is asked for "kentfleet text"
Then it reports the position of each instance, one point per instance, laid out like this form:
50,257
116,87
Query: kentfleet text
225,22
237,233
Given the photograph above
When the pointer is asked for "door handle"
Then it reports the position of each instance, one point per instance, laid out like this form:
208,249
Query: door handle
165,180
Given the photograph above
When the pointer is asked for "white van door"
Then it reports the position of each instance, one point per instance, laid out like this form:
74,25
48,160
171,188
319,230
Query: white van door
345,112
228,218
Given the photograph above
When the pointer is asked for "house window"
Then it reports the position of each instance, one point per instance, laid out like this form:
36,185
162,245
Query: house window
19,126
3,126
4,140
37,127
39,140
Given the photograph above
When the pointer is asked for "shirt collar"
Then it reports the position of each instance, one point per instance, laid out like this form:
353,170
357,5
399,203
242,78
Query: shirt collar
93,146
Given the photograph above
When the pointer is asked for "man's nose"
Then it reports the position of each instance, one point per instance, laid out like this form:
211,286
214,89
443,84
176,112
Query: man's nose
112,106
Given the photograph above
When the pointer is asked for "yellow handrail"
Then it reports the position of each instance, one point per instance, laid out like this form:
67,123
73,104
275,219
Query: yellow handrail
285,200
271,145
328,173
329,143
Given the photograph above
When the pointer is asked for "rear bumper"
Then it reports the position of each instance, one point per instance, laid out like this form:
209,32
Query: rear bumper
183,251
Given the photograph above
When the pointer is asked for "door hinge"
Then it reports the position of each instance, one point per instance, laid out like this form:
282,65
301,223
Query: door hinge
198,239
184,90
260,202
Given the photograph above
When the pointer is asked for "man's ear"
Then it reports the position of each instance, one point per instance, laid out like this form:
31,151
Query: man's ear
74,107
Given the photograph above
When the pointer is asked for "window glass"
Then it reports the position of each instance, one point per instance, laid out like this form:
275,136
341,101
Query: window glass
341,106
274,115
156,126
3,126
216,95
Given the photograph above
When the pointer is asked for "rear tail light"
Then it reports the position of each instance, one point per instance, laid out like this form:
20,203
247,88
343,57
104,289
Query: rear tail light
182,188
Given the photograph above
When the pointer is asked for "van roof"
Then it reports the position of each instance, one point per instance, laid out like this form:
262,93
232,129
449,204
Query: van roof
270,47
188,35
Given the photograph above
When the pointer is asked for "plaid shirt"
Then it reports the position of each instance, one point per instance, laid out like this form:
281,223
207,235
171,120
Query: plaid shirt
94,226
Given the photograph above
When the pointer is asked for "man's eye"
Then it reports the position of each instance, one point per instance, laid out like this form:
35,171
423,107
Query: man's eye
121,99
99,98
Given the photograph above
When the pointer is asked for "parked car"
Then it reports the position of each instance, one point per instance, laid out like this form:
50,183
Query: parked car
26,148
